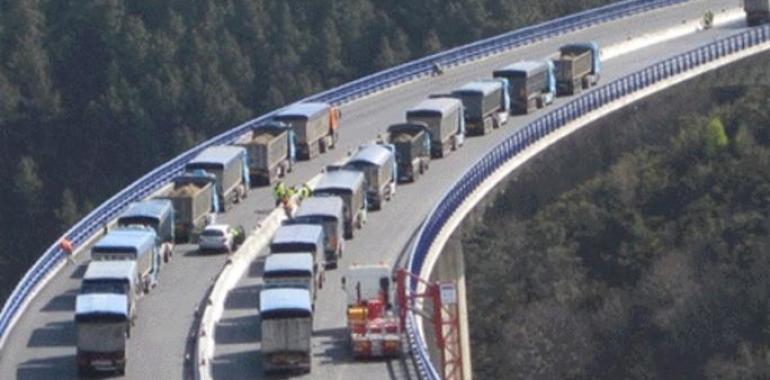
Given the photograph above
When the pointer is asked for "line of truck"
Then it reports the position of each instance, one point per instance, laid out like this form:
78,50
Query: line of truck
757,11
127,261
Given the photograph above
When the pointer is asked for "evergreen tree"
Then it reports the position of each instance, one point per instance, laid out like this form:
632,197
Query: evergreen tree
67,214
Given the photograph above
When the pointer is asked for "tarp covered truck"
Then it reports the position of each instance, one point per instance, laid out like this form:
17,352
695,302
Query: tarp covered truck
757,11
327,212
373,324
230,166
194,198
350,187
578,67
378,164
299,238
532,84
130,244
101,323
157,214
445,120
316,125
481,101
286,321
412,143
271,151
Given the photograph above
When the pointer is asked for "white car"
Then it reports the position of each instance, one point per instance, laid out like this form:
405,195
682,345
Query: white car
216,237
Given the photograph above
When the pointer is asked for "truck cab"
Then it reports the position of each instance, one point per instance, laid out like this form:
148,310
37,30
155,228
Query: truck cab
102,325
286,321
327,212
373,324
157,214
378,164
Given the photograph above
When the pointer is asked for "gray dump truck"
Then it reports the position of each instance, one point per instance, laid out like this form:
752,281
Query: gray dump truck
315,124
531,84
229,164
412,143
194,198
578,67
378,164
327,212
286,321
350,187
139,245
445,120
271,150
157,214
114,277
481,101
102,326
757,11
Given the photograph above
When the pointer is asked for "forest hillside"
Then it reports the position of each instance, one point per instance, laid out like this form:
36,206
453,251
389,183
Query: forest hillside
653,267
94,93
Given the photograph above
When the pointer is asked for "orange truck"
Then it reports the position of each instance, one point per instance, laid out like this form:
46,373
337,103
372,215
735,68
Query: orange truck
315,125
373,324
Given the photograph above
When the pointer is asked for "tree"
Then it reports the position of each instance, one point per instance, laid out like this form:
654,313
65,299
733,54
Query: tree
716,138
67,214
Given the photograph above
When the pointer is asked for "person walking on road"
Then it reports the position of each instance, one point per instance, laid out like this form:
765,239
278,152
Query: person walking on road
305,192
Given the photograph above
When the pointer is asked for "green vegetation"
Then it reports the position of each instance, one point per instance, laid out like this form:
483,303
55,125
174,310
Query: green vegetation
94,93
654,267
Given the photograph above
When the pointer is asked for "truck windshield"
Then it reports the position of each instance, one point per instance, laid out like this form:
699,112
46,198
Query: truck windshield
104,286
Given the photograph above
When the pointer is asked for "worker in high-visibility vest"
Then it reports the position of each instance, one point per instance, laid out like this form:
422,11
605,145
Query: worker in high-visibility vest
66,246
305,192
279,192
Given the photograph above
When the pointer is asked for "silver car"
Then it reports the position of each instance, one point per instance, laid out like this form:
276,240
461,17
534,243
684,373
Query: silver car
216,237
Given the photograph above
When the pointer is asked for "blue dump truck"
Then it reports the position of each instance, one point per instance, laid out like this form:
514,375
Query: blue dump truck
531,84
482,103
577,68
293,270
272,151
412,144
327,212
377,162
229,164
102,323
286,321
132,244
194,198
315,124
157,214
445,120
350,186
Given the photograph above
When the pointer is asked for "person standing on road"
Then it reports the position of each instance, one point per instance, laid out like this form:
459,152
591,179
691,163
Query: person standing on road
279,192
66,246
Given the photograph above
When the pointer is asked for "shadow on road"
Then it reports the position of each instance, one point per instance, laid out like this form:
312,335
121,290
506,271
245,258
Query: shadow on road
245,297
235,365
54,334
55,367
240,330
62,302
332,346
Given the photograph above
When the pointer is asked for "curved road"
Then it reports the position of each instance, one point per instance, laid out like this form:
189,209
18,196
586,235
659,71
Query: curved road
41,346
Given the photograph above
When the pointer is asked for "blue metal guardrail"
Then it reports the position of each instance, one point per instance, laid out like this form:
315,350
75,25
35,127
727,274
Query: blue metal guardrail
520,140
93,222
